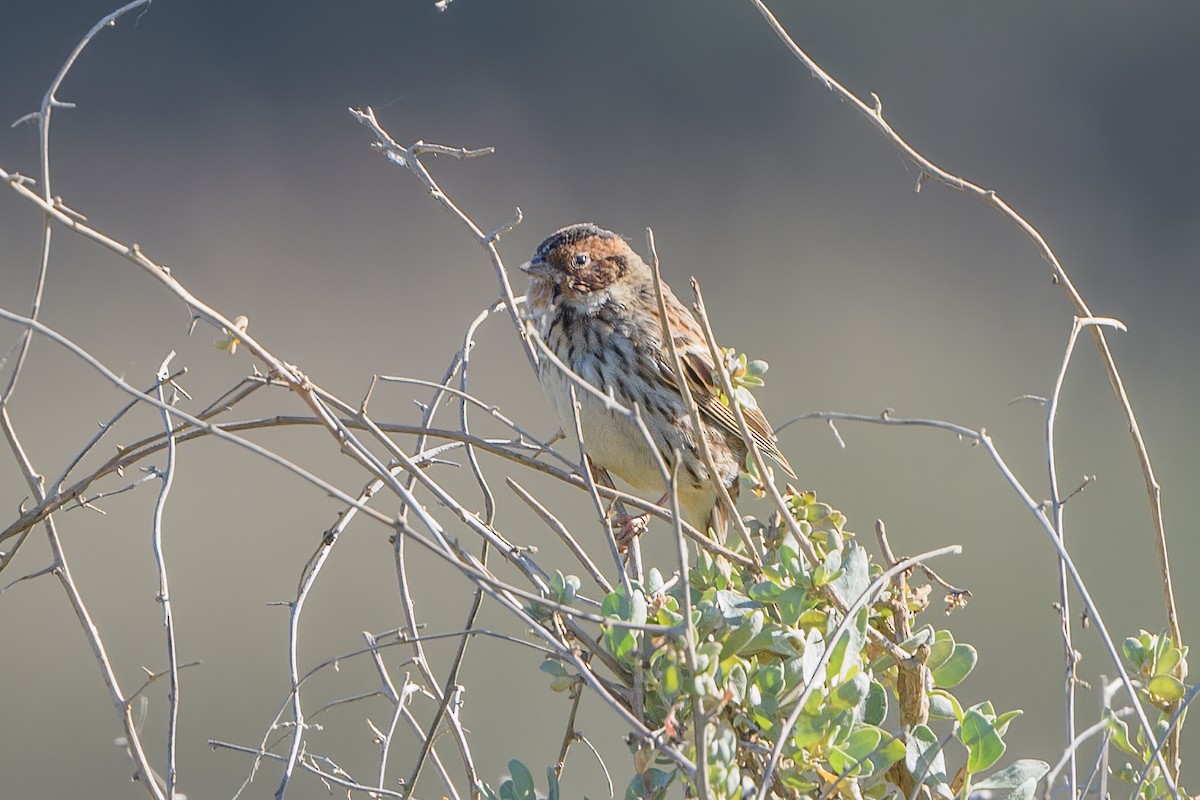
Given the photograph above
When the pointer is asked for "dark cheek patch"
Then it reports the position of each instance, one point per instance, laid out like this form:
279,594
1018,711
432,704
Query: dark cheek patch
595,275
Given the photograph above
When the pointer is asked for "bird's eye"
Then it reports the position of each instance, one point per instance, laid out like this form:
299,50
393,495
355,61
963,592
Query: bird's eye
581,259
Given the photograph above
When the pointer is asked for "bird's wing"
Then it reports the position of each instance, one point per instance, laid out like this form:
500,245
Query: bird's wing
698,373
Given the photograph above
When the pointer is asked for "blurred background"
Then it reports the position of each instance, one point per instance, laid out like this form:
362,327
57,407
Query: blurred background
216,136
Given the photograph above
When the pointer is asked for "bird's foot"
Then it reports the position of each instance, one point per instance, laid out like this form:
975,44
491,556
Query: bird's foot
627,527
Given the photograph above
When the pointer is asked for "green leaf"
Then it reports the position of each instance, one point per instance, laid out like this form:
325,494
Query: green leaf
769,680
810,656
789,559
855,576
668,616
941,649
553,667
1168,661
797,781
563,588
852,756
521,782
922,635
773,638
1134,652
737,638
722,747
792,603
1120,735
983,742
622,641
923,755
736,682
1166,688
654,581
1005,718
943,705
734,606
672,681
875,710
552,783
887,755
561,679
957,667
744,397
986,708
765,591
863,742
809,730
651,785
1016,782
847,651
852,692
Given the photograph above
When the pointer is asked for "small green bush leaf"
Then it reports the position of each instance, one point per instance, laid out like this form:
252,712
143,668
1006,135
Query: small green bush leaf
957,667
1134,652
521,783
889,754
855,576
943,705
854,756
863,742
792,603
876,706
1168,661
1166,688
650,785
983,742
940,650
736,682
923,755
1015,782
852,692
742,633
809,730
1120,735
621,641
1005,718
772,638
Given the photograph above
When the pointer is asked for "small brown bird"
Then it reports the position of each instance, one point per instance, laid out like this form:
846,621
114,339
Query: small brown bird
592,298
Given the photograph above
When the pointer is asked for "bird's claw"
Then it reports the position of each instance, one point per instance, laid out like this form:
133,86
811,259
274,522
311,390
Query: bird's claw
627,527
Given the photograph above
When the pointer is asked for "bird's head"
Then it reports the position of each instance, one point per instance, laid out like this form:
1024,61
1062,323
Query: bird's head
585,263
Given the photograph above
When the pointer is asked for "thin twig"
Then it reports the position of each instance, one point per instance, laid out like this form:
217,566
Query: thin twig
688,637
349,785
164,593
309,577
1057,505
50,102
410,159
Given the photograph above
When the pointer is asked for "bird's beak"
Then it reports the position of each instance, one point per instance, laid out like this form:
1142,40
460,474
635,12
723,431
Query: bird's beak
535,268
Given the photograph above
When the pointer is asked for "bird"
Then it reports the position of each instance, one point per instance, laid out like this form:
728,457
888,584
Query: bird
592,301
